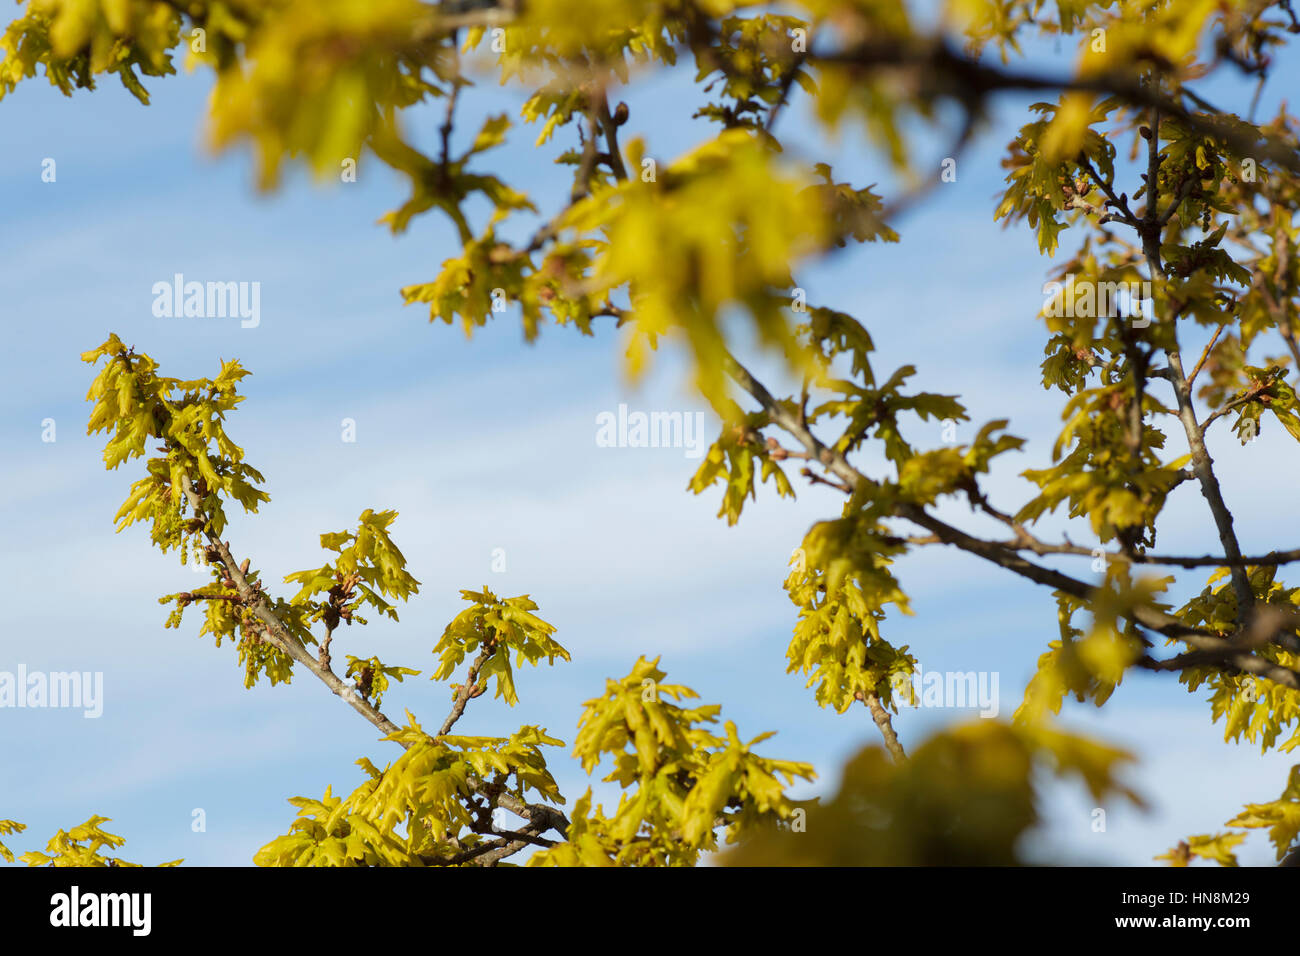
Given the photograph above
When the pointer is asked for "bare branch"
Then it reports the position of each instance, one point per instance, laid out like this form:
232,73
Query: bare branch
469,689
1205,354
886,725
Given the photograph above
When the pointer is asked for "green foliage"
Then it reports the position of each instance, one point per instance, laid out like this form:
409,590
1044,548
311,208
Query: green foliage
1259,711
8,827
369,564
420,810
841,583
1099,478
715,247
74,40
733,460
80,846
1192,206
681,781
317,79
965,797
1280,817
1268,391
372,676
1090,666
875,411
182,497
135,405
1218,848
758,74
495,627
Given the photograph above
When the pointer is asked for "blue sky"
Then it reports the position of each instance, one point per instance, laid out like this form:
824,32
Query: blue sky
490,444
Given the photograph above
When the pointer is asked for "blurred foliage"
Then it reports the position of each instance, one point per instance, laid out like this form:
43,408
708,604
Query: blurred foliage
1185,222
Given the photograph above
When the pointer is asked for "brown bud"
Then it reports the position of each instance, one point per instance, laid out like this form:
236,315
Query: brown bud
620,114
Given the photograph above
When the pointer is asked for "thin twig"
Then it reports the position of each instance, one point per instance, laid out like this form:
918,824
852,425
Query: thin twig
1205,354
882,720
